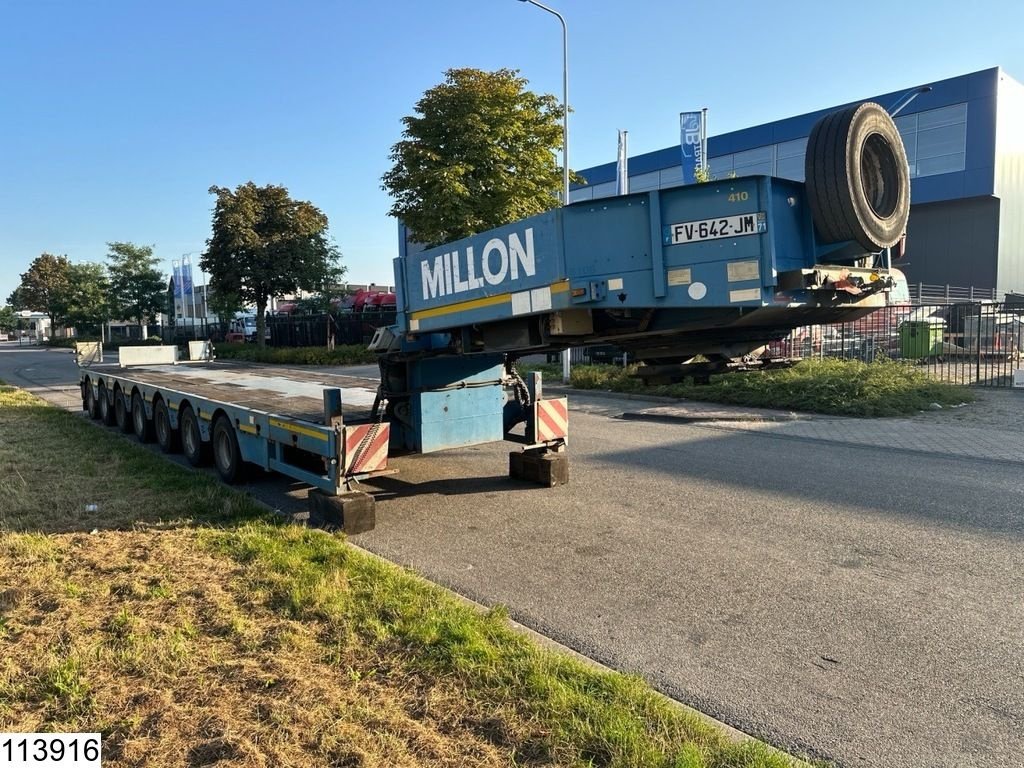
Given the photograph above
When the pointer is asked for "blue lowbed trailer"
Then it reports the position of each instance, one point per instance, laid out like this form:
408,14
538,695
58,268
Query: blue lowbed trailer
717,269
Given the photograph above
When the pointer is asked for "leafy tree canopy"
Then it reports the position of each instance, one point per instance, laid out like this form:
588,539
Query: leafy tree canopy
136,282
87,301
265,244
478,153
44,287
8,322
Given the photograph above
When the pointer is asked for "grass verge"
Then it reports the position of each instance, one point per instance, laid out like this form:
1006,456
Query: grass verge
152,341
838,387
352,354
189,627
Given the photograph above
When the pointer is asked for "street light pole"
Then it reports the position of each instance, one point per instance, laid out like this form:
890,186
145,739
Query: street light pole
565,97
565,133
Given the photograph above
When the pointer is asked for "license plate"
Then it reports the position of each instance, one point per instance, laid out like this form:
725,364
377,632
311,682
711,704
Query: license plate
714,229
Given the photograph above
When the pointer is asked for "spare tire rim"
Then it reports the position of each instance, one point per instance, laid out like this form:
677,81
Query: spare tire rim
880,175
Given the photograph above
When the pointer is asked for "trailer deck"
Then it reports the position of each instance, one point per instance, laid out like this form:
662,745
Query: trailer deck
316,427
286,392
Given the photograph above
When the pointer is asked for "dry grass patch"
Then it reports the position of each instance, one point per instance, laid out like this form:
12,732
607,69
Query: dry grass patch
140,635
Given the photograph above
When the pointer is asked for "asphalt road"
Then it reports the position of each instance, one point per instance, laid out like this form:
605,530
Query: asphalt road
852,603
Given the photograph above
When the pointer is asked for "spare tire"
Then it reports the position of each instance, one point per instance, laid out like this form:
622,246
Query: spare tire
858,181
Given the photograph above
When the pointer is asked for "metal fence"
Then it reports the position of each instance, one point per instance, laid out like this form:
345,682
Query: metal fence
315,330
976,343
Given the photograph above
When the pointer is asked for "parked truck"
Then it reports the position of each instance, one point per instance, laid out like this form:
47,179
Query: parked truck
716,269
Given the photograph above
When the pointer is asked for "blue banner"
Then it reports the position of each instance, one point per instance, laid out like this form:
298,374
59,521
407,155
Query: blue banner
691,136
177,281
186,277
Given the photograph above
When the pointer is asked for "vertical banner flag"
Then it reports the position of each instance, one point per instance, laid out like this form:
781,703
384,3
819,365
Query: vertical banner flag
691,135
186,277
178,293
622,165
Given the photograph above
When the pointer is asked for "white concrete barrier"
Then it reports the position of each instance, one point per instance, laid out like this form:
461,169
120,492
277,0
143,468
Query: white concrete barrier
148,355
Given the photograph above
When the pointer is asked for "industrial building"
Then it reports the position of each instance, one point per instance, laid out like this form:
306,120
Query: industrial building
965,145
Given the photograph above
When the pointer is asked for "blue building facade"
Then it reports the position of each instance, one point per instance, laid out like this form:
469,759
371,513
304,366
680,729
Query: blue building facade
965,146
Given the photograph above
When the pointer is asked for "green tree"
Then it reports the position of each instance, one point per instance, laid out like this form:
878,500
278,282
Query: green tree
136,283
44,287
15,301
479,153
88,297
265,244
8,322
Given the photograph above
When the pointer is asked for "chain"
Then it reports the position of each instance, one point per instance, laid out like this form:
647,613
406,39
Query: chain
522,392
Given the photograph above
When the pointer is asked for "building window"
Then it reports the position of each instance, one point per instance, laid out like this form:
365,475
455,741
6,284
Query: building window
936,140
789,159
751,162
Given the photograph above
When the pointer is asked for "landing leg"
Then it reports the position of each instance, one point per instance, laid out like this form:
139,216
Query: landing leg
542,466
355,512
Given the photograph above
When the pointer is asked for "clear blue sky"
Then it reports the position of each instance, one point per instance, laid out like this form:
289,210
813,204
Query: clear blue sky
117,116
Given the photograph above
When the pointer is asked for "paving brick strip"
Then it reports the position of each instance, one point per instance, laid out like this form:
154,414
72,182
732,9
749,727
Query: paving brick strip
990,429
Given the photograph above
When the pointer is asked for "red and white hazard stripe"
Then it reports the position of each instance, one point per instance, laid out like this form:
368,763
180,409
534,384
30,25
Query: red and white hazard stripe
551,418
374,454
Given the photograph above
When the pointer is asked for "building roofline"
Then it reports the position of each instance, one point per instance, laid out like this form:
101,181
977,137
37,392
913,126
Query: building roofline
944,92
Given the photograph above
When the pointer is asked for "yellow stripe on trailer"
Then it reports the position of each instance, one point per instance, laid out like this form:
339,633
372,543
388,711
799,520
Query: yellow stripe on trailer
289,426
485,301
247,428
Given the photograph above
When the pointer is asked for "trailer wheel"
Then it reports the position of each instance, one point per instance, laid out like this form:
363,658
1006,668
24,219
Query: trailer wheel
143,427
121,413
166,435
90,405
858,180
196,451
106,412
226,455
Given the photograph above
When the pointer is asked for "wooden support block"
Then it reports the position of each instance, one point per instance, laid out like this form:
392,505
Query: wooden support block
549,469
354,512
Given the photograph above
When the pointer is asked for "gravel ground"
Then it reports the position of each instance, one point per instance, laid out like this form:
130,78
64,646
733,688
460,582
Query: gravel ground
1001,409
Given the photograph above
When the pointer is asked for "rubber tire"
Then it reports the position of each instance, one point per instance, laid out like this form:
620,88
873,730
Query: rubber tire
167,437
89,404
227,458
122,415
196,451
142,426
106,410
857,177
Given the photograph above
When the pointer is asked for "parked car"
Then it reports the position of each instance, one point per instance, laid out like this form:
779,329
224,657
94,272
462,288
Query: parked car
242,328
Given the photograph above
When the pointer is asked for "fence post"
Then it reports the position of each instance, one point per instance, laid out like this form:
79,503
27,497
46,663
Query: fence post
971,294
947,293
920,292
977,360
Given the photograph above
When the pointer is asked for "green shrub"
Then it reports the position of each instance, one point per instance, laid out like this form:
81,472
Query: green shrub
352,354
109,344
840,387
